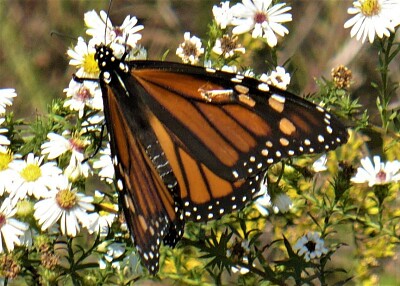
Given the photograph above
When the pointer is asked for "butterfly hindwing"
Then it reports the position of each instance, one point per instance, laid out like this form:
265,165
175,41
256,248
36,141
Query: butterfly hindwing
151,211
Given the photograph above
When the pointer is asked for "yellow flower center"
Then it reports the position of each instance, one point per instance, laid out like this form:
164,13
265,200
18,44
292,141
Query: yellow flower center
5,159
66,199
370,7
90,65
31,172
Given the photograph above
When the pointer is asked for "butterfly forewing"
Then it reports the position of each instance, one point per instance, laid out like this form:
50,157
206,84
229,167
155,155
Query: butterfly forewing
228,123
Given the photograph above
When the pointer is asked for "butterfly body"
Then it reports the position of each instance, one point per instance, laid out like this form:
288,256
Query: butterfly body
191,143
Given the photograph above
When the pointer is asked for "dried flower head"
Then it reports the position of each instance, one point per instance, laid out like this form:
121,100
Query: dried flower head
9,267
190,50
49,260
341,76
227,46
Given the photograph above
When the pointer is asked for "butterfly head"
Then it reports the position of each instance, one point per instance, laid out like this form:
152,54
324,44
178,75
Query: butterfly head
107,61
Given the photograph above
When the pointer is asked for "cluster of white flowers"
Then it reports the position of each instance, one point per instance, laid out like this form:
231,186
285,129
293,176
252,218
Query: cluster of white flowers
11,229
259,16
31,178
58,205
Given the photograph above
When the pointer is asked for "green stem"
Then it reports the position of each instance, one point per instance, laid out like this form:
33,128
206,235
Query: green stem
385,57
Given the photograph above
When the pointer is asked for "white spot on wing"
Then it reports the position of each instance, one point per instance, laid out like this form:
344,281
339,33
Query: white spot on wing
235,174
278,98
263,87
120,185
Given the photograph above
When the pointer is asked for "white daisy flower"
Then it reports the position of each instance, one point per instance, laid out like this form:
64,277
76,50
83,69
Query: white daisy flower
190,50
32,177
100,223
64,206
106,165
117,37
281,203
112,254
265,21
59,145
222,15
311,246
76,168
10,229
114,251
82,57
278,78
396,15
378,173
373,17
27,238
81,95
227,46
6,98
249,73
93,123
320,164
6,157
3,139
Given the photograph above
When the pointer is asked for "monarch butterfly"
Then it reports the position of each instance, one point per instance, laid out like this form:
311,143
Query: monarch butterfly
191,143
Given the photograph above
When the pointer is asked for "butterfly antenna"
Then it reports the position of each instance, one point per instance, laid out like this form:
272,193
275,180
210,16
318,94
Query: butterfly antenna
62,35
98,145
127,50
107,20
